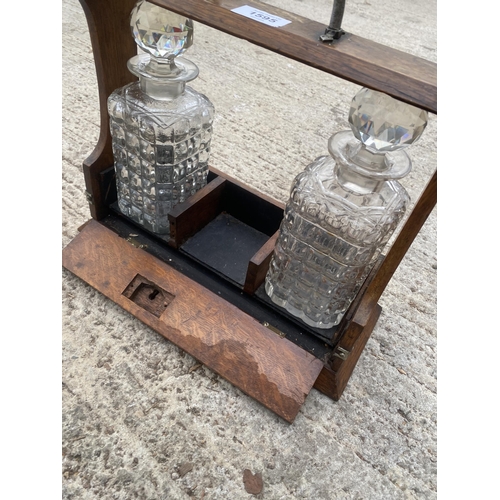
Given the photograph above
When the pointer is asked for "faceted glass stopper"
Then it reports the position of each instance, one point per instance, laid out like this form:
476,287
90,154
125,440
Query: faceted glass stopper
159,32
384,124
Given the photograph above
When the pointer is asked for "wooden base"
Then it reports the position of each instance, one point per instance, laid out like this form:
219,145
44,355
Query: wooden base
265,366
213,308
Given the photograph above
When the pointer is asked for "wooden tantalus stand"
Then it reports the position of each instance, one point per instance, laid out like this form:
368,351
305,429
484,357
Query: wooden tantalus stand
188,286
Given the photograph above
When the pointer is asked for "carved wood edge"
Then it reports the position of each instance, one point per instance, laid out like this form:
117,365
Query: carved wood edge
271,369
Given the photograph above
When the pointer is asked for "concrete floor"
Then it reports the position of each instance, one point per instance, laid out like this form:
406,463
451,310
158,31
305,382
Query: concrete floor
137,416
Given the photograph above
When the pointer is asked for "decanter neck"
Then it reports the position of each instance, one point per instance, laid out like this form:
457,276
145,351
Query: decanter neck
356,160
162,79
162,91
362,156
162,68
355,182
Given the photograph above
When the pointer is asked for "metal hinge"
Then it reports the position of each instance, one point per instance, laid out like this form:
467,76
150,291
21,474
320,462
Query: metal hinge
341,353
89,197
274,329
135,243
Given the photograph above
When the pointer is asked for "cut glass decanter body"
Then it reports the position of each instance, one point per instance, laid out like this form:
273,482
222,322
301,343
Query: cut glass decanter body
161,150
161,129
341,213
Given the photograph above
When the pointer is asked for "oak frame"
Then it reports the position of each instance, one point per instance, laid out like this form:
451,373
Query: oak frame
352,58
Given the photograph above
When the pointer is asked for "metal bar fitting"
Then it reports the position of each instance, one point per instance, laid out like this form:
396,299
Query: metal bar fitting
334,30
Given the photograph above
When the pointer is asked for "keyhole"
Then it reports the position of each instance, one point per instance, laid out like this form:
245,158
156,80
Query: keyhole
149,296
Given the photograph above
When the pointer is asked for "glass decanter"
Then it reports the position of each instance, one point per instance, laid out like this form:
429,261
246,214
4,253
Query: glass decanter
161,129
343,210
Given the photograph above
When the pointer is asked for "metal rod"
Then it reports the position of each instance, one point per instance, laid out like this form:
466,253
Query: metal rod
334,30
337,14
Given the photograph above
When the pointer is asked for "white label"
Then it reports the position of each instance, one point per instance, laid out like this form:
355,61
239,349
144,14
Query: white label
261,16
